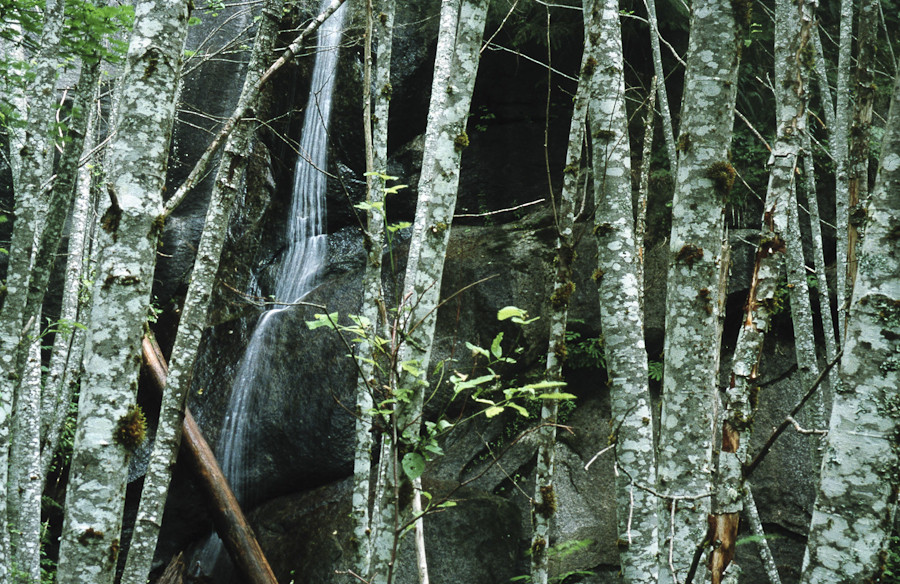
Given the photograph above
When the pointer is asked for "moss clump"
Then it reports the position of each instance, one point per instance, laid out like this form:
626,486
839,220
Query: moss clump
561,351
689,254
743,13
561,295
461,142
547,505
597,276
131,429
603,229
722,174
589,67
387,90
538,548
605,135
684,142
570,169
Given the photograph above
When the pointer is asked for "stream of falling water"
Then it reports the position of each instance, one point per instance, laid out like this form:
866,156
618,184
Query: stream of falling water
300,265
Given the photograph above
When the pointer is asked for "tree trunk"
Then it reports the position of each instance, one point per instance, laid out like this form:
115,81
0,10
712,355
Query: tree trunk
380,31
854,510
231,525
696,283
620,291
459,40
194,312
110,425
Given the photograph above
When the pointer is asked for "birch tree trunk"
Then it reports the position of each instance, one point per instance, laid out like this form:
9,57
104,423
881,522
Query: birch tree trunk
856,503
456,64
839,152
380,31
668,131
864,105
110,425
30,173
228,182
793,26
696,286
544,501
620,307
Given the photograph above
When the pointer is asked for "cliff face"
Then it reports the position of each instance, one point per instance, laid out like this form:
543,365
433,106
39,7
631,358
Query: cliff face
302,433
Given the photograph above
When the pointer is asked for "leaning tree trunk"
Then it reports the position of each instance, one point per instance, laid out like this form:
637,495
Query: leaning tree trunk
229,179
696,283
110,425
459,40
620,299
855,507
793,25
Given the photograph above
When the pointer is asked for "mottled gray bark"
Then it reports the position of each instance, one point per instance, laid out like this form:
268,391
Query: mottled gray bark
109,424
456,64
860,130
619,295
839,141
24,488
379,30
696,278
793,25
544,500
660,85
65,357
856,503
229,180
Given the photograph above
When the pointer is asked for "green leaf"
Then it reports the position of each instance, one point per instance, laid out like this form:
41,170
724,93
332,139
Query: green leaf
413,465
557,395
496,349
545,385
476,350
522,411
493,411
508,312
395,227
326,320
411,367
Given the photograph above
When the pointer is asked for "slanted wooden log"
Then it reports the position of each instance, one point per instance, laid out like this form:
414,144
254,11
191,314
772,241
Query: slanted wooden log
229,520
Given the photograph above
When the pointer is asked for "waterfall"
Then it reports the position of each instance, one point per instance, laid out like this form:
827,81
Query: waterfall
300,264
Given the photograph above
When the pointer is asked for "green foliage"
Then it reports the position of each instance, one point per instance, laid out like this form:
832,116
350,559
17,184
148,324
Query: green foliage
655,370
557,553
584,353
890,569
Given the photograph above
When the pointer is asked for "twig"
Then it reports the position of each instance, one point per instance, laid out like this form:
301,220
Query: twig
749,468
507,210
801,430
596,456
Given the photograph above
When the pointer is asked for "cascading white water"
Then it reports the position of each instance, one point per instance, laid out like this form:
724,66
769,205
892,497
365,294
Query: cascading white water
299,267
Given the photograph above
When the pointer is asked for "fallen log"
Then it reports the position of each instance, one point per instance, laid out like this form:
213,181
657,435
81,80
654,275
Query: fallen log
229,520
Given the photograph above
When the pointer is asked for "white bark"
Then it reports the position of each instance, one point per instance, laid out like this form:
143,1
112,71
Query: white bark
856,503
544,501
137,162
695,290
32,151
228,182
380,31
65,357
839,140
620,307
668,131
24,488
